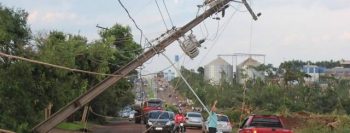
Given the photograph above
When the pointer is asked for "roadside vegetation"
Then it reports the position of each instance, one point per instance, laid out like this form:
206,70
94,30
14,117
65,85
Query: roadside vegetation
149,90
27,89
286,98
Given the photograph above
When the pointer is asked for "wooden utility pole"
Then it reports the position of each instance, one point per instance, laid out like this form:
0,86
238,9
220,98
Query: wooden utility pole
85,112
96,90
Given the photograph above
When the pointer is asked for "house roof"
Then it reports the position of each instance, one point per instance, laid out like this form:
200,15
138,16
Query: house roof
218,61
249,62
344,62
308,66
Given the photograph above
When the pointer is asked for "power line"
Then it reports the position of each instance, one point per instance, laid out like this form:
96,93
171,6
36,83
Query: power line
141,31
134,22
189,86
251,32
223,28
166,8
161,14
55,66
200,27
237,9
216,33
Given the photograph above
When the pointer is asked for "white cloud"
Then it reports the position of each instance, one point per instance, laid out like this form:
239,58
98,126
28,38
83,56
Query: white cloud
54,16
33,16
43,16
345,36
286,29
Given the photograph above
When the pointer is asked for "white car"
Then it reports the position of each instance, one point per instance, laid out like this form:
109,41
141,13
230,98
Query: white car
132,115
194,119
125,112
224,125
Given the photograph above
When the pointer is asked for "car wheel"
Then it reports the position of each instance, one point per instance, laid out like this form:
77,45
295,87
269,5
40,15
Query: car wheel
144,121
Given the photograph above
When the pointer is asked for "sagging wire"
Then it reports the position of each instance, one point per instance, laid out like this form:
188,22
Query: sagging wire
55,66
223,28
183,78
135,24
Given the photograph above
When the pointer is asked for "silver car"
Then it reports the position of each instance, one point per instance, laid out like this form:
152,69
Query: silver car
172,117
224,125
194,119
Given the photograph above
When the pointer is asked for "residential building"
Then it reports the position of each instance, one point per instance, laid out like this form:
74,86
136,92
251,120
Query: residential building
338,72
314,72
246,70
218,70
345,63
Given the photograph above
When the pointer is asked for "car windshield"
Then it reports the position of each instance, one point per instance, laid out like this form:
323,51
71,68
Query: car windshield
155,104
159,115
194,115
266,122
222,118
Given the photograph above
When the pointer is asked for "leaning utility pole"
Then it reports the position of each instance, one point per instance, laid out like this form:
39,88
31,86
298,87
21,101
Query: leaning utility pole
93,92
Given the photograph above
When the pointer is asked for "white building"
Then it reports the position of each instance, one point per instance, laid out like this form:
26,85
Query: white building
246,70
218,69
313,71
345,63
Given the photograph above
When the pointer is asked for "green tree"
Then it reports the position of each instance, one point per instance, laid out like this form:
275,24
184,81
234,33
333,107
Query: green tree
15,76
116,48
26,89
14,32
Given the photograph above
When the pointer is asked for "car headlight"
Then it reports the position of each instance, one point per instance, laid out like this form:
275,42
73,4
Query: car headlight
149,123
168,123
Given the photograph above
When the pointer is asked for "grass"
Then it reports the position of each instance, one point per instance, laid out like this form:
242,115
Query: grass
71,126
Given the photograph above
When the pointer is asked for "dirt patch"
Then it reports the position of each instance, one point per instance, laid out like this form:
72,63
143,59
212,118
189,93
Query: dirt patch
301,120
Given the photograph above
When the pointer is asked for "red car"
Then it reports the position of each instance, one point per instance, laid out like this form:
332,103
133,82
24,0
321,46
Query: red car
263,124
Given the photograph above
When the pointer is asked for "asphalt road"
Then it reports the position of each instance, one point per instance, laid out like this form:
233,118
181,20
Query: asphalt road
128,127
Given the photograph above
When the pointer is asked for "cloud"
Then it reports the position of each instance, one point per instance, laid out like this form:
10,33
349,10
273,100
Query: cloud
33,16
296,29
50,16
345,36
329,4
41,16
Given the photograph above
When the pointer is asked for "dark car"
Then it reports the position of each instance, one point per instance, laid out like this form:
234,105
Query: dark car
159,121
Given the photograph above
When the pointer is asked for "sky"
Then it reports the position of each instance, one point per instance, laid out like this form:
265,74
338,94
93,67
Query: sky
312,30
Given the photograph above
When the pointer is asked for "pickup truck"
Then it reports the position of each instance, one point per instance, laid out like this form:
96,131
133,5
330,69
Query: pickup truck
263,124
145,107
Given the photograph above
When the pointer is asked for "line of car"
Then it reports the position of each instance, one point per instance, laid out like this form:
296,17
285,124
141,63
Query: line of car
159,120
163,121
154,116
